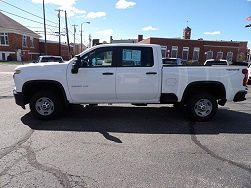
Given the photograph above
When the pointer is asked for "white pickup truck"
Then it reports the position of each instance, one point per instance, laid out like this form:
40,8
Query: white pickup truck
127,73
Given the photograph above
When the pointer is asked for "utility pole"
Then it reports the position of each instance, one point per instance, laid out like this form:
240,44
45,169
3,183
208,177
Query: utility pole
81,34
67,34
90,40
59,33
74,34
45,41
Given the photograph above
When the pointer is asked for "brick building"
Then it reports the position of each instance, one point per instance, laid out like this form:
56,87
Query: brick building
53,49
16,41
200,50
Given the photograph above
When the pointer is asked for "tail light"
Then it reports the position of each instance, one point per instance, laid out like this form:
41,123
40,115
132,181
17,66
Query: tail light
245,79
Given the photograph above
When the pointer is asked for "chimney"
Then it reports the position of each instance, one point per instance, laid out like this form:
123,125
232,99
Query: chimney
140,38
187,33
111,39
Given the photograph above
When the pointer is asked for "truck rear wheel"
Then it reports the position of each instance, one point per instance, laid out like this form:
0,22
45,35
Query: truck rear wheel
46,105
202,107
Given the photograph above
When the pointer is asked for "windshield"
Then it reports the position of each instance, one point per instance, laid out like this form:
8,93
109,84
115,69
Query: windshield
52,59
216,63
169,61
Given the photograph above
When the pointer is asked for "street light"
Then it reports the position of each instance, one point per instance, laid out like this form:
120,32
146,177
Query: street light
248,25
82,34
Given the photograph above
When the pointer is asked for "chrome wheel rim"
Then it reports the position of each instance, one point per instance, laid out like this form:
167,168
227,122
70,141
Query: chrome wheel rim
203,107
44,106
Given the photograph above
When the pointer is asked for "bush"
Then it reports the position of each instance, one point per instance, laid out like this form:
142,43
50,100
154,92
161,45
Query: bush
12,57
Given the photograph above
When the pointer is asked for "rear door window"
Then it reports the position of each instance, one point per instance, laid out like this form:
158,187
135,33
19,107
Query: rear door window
136,57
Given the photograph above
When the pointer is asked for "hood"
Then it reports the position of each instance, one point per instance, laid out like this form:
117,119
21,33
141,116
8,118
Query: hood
36,66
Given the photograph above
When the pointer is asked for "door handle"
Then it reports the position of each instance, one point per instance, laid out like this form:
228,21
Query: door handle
107,73
148,73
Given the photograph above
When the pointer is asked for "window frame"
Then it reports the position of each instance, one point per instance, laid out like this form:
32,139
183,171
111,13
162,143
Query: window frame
113,65
232,57
32,42
187,50
219,53
174,48
6,39
212,56
24,38
120,55
196,49
164,51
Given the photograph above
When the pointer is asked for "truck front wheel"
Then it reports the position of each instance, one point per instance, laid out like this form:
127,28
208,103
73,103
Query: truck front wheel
46,105
202,107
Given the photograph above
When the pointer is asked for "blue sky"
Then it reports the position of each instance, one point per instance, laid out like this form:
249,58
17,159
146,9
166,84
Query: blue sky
124,19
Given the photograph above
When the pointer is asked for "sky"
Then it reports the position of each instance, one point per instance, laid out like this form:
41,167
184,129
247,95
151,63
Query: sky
126,19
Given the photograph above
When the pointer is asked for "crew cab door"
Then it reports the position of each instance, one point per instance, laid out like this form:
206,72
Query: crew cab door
137,77
95,80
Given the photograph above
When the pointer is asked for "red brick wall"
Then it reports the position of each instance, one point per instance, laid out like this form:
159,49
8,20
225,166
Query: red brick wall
53,49
15,43
216,46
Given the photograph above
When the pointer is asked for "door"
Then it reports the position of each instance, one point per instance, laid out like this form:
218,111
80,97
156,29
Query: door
137,77
95,80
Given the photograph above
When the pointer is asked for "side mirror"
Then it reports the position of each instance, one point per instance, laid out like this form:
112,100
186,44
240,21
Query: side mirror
76,65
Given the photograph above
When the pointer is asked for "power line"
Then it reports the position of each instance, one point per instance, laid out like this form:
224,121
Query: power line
38,7
26,11
26,18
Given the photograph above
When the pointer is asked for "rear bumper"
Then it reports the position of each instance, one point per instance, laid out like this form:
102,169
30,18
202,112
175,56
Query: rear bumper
19,98
240,96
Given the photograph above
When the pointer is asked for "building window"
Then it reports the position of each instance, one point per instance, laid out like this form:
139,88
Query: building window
24,41
219,55
185,53
163,51
3,57
230,56
32,42
174,52
4,39
196,54
210,54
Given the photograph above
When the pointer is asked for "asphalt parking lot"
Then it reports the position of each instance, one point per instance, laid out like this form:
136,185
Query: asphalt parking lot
123,146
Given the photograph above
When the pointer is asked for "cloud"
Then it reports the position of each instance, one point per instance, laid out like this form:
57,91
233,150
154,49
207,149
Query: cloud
106,32
68,5
212,33
124,4
93,15
149,28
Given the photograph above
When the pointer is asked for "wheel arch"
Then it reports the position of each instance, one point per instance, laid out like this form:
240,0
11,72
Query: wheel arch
215,88
32,86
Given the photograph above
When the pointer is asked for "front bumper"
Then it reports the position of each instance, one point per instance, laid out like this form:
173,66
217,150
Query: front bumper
19,98
240,96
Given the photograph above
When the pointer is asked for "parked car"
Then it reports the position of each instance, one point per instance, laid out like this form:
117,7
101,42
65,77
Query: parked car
47,58
211,62
127,73
172,61
249,73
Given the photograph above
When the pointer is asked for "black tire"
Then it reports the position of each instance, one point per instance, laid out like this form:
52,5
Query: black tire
55,107
202,107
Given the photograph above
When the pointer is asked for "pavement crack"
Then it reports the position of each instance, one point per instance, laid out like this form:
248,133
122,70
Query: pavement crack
6,97
16,145
212,154
32,160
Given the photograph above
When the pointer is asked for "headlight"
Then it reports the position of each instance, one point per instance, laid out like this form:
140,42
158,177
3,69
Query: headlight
17,71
